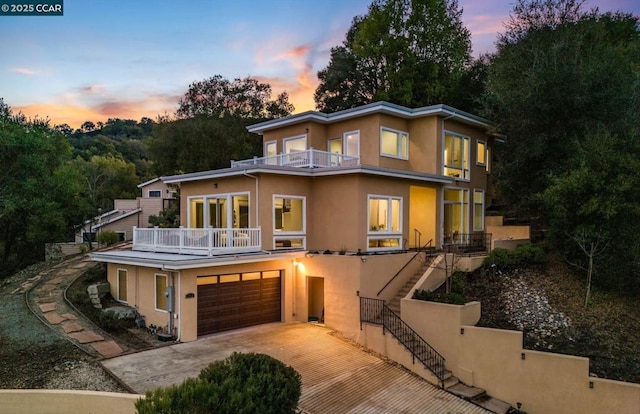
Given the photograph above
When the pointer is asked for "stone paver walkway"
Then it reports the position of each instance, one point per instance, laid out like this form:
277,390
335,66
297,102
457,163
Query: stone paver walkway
45,297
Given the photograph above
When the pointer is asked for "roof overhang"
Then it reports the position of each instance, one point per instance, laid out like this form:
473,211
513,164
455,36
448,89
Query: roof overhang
373,108
307,172
170,261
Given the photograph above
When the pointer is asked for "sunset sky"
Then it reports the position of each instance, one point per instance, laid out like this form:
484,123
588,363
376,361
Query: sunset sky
129,59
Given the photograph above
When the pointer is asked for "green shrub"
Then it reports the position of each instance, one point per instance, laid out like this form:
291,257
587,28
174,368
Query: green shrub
454,298
242,383
108,237
458,281
529,253
421,294
499,258
111,322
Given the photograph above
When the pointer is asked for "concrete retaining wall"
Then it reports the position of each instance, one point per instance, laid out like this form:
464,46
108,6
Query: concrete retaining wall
65,401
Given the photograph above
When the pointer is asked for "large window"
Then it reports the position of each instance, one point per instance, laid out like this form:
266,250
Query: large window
456,156
219,211
161,292
478,210
394,143
295,144
122,285
385,222
456,214
289,218
481,153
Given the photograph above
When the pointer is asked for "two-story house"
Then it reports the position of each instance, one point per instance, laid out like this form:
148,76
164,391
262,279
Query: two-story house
128,214
327,215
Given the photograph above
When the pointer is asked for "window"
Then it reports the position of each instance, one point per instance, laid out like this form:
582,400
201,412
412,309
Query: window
481,153
270,151
394,143
161,292
478,210
385,221
334,146
348,145
488,165
289,217
456,156
122,285
295,144
352,143
219,211
155,193
121,235
456,214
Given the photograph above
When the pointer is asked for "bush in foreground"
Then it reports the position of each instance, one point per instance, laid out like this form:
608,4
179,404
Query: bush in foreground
242,383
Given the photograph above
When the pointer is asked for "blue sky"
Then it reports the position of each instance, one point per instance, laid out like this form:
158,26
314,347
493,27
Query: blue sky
128,59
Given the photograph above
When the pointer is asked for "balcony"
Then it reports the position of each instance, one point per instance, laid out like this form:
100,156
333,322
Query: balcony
310,158
201,242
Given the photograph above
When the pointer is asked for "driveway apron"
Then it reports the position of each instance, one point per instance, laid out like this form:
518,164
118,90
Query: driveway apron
337,376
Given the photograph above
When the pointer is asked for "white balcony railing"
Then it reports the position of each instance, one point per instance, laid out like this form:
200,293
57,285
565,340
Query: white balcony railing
205,242
310,158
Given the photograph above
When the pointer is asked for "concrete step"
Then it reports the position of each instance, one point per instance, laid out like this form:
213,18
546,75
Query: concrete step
450,381
493,404
467,392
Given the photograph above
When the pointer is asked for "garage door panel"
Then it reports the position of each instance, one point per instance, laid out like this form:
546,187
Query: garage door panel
233,305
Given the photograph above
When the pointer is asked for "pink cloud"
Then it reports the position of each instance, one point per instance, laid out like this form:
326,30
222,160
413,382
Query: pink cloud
25,71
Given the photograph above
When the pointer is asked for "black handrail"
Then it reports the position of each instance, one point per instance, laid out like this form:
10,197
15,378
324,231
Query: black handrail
427,245
375,311
467,243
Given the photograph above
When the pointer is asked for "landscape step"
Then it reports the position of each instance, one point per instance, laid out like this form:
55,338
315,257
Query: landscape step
477,396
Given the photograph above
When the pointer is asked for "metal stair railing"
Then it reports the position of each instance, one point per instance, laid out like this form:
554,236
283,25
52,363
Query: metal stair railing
375,311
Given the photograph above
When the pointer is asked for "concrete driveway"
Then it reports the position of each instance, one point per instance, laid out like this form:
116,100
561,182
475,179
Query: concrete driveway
337,376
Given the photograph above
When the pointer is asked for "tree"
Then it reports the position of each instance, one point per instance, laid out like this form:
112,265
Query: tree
200,144
564,89
88,126
412,53
594,206
106,179
243,98
550,85
39,192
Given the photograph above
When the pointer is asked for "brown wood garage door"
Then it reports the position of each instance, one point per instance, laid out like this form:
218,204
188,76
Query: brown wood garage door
236,301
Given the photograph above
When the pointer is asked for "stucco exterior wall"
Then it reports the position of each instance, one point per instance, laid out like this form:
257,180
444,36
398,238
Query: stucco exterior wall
494,360
64,401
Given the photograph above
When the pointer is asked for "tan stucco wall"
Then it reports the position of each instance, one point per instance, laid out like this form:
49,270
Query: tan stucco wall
140,291
68,402
492,359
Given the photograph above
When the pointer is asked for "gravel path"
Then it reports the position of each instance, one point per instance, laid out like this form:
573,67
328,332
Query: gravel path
33,355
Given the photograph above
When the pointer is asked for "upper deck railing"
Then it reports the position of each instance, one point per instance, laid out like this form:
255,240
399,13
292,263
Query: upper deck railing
310,158
204,242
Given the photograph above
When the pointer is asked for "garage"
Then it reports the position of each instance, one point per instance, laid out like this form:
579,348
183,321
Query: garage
238,300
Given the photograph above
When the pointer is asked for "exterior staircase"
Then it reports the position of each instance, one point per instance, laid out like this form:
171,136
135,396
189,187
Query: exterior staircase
388,315
394,304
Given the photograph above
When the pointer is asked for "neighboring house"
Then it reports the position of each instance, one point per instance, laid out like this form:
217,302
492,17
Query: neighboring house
327,215
129,214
